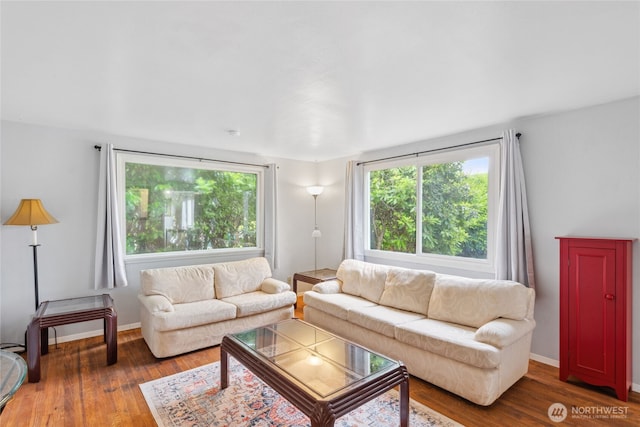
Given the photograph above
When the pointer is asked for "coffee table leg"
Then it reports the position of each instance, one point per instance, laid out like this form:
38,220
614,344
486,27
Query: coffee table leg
322,415
404,403
224,375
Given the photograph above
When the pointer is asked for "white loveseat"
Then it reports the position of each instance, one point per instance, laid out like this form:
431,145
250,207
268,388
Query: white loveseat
191,307
469,336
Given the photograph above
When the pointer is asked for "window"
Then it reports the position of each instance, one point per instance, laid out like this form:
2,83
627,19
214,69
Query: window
172,205
436,209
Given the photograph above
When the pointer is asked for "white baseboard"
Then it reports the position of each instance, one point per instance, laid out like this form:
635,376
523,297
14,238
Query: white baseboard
545,360
90,334
556,364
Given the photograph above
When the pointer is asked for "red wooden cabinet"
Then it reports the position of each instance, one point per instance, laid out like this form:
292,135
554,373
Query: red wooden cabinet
595,311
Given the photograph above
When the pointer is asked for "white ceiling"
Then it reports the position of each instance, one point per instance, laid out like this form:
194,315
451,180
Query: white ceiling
310,80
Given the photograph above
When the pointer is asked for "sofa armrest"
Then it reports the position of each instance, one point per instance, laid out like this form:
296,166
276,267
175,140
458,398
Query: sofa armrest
274,286
503,332
328,287
156,303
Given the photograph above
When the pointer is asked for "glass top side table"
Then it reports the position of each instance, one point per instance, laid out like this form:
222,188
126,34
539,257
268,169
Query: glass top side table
312,277
13,371
65,311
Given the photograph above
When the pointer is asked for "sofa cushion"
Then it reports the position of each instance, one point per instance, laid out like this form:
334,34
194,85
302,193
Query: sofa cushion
191,314
449,340
328,287
179,284
362,279
240,277
381,319
474,302
532,303
503,332
274,286
260,302
337,305
155,303
408,289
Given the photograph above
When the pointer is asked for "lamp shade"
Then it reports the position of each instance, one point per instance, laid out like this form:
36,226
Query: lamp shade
315,190
31,212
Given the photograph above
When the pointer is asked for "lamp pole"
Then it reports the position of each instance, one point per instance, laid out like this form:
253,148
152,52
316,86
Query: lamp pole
315,191
35,265
316,233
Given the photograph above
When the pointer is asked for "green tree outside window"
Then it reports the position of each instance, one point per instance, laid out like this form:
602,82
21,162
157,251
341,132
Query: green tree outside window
454,210
179,208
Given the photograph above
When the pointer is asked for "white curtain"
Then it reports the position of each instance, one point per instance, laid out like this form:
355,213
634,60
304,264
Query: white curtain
109,261
354,212
514,255
270,214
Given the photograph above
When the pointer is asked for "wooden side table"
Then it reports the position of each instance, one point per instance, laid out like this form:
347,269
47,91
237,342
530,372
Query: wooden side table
312,277
65,311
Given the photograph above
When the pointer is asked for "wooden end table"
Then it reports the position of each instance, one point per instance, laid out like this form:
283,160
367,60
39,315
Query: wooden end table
312,277
65,311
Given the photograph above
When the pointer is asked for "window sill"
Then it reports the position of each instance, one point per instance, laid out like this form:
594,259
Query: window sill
444,264
206,256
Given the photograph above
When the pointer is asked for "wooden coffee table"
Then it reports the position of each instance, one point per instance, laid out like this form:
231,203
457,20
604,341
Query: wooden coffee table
323,375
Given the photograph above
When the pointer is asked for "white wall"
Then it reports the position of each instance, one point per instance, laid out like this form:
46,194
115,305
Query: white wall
331,175
582,173
60,166
583,178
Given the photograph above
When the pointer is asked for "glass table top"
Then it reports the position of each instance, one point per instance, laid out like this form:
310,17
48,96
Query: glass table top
322,274
13,370
73,304
320,361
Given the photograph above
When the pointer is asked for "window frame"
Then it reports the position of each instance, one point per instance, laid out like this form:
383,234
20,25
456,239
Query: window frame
122,158
492,151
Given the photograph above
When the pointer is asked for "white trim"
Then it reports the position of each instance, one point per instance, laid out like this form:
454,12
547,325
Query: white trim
91,334
208,255
556,364
545,360
122,158
488,265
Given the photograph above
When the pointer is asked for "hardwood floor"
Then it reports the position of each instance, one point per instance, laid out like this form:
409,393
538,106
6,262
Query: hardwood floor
78,389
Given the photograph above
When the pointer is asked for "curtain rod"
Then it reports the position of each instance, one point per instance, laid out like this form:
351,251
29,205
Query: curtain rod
178,156
432,151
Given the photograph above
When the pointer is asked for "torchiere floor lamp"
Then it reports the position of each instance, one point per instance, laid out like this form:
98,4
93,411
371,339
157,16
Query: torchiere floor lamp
315,191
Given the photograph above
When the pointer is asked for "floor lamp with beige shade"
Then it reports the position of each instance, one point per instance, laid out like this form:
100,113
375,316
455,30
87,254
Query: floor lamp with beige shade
31,212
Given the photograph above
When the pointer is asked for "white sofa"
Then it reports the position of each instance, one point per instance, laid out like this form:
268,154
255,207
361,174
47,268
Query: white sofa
469,336
191,307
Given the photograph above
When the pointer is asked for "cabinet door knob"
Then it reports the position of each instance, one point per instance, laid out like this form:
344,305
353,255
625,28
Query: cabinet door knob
609,296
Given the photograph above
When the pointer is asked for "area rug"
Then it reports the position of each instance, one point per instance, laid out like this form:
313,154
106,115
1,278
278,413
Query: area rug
193,398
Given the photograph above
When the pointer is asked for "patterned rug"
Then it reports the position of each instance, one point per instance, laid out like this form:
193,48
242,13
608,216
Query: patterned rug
193,398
